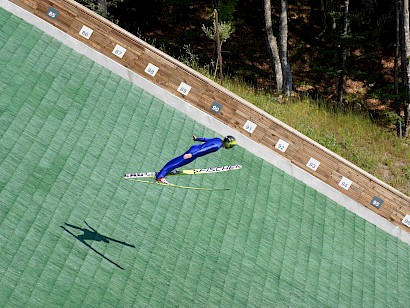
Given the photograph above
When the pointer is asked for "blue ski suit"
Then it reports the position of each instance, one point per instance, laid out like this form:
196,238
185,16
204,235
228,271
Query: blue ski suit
209,145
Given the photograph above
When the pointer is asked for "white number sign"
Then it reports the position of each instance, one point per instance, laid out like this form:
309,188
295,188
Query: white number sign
119,51
86,32
345,183
282,145
184,88
313,164
249,126
151,69
406,220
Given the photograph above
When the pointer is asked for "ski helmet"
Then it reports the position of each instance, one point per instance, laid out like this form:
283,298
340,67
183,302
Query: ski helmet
229,142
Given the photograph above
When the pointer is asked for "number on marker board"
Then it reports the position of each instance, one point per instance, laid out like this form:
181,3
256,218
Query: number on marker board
406,220
86,32
282,145
377,202
52,13
184,88
151,69
345,183
249,126
216,107
313,164
119,51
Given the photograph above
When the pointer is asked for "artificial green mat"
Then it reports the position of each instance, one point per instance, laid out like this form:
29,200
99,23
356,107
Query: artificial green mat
74,233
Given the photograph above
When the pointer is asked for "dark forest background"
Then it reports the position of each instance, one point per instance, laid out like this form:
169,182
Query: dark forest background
171,25
314,35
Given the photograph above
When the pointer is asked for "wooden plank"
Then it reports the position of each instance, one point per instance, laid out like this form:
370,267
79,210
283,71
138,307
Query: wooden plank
95,25
130,42
385,209
209,96
158,60
28,5
63,19
76,10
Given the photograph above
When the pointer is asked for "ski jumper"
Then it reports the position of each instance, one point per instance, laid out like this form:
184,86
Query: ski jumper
209,145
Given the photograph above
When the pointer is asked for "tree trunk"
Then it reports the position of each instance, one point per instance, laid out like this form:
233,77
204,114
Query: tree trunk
283,48
273,46
332,10
102,8
343,54
405,58
406,120
218,44
397,99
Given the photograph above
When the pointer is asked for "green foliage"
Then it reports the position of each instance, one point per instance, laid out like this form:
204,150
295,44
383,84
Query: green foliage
406,172
329,141
391,117
189,58
225,31
94,6
226,9
386,118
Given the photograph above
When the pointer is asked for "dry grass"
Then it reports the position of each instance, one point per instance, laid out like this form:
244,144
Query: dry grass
351,135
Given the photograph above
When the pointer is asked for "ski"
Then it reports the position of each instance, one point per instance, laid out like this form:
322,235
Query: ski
173,185
183,172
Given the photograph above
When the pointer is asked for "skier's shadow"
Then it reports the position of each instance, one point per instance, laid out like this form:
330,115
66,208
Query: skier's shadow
93,235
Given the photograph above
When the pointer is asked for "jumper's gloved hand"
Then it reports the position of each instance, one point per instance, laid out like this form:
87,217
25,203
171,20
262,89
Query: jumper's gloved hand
194,137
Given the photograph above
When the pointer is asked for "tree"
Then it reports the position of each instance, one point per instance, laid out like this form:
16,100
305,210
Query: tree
397,98
283,48
219,33
406,63
279,52
343,54
101,6
226,9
